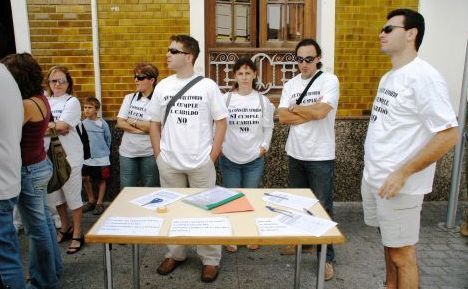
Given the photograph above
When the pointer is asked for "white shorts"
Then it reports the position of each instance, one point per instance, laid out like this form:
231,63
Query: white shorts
70,193
398,218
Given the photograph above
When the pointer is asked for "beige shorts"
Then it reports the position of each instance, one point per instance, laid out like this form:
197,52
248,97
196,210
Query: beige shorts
398,218
70,193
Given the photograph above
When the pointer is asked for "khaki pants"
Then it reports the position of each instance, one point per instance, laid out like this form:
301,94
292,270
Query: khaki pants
202,177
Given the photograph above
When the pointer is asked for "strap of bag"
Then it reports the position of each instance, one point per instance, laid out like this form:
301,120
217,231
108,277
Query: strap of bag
179,94
303,94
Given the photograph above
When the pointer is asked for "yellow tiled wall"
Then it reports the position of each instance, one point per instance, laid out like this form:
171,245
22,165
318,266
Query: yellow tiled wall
359,64
130,31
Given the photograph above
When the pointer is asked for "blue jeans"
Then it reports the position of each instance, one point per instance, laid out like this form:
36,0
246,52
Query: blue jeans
236,175
45,260
318,176
140,169
11,268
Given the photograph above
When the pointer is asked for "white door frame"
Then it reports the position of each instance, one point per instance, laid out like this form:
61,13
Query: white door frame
19,11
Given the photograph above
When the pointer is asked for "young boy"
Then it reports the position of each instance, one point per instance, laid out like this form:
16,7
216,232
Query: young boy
98,166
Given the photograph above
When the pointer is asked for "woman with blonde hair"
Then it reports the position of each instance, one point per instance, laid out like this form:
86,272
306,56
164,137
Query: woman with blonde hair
66,112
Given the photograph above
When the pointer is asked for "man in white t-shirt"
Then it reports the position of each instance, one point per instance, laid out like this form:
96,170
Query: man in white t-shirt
311,140
412,125
11,124
185,144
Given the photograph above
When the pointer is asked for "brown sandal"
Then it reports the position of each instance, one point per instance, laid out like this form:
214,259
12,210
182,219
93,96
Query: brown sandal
231,249
73,250
64,236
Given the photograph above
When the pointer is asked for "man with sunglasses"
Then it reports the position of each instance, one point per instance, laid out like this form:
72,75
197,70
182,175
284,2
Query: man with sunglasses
412,125
310,111
184,142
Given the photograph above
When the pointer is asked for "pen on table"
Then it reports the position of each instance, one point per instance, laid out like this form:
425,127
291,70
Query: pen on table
275,196
153,201
281,211
308,212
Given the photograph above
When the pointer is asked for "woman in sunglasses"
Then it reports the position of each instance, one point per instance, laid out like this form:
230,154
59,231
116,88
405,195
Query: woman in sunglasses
66,112
137,163
248,135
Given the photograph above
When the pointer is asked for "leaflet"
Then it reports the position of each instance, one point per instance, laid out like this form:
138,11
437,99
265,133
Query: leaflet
156,199
270,227
131,226
200,227
306,223
289,200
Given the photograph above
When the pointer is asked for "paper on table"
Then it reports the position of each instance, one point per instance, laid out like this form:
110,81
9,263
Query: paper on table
306,223
126,226
290,200
157,199
239,205
200,227
269,227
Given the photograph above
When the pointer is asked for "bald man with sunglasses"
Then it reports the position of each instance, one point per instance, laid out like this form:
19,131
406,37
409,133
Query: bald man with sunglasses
412,125
308,104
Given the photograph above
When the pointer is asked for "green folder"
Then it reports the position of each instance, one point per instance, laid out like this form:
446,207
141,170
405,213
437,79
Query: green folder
212,198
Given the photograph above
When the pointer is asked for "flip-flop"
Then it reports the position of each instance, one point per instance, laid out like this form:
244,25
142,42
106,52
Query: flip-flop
67,235
73,250
231,249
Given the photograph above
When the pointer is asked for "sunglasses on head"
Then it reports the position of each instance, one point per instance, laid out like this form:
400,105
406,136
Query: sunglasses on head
307,59
141,77
389,28
57,81
176,51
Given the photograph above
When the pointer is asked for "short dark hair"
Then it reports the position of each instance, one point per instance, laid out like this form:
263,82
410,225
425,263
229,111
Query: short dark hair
63,69
249,63
93,101
412,19
26,72
189,44
309,42
149,70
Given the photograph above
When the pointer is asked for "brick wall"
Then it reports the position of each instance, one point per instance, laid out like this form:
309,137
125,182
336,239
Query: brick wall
359,64
130,31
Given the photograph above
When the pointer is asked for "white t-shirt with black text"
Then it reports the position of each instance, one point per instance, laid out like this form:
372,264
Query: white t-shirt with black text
135,145
67,108
412,104
249,128
313,140
187,135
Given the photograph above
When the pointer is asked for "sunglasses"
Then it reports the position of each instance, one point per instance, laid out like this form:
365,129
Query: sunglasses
176,51
389,28
59,81
307,59
141,77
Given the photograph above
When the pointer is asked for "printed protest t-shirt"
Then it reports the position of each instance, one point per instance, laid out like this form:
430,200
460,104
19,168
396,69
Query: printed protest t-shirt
187,134
249,128
315,139
135,145
412,104
67,108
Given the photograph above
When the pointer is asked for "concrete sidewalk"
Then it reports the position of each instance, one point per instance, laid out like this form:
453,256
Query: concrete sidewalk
443,260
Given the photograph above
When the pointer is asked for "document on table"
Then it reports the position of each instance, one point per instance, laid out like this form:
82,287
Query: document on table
127,226
200,227
269,227
306,223
157,199
289,200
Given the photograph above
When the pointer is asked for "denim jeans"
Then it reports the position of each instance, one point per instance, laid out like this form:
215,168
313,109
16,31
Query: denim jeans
236,175
138,171
11,268
45,260
318,176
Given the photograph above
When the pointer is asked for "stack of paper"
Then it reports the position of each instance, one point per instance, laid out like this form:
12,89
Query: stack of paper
289,200
212,198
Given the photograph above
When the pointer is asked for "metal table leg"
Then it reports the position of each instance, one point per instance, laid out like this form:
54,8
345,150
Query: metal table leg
136,266
108,266
321,266
297,277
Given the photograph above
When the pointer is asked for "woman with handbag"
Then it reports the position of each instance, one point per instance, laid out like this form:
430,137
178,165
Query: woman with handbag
66,112
248,135
45,261
137,162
